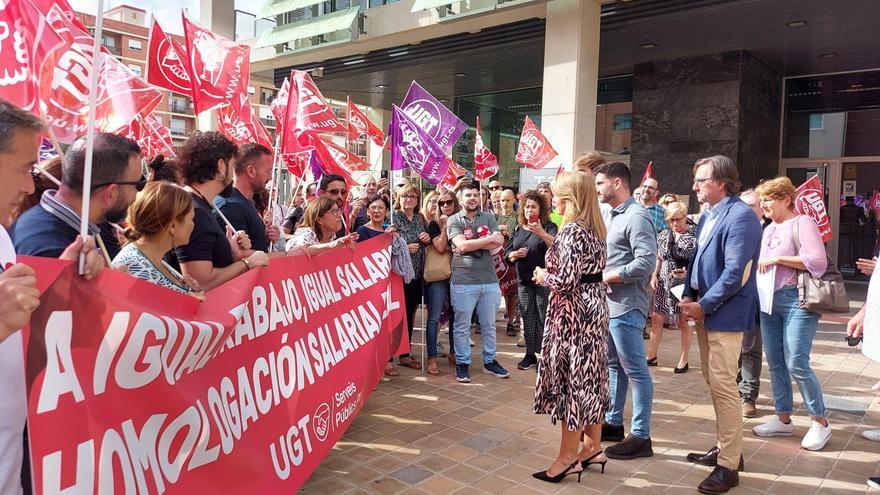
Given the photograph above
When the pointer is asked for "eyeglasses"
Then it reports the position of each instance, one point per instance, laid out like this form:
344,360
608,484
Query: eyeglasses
410,196
336,191
700,181
334,211
139,184
448,202
675,220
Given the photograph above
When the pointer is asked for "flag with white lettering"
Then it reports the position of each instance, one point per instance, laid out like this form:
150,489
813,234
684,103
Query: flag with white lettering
219,68
359,124
438,122
534,149
485,162
412,147
810,201
167,62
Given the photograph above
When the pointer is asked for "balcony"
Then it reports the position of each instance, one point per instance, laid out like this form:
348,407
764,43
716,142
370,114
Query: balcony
113,49
181,107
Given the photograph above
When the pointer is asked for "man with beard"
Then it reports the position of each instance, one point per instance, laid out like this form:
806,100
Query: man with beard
48,228
474,235
253,170
334,187
632,256
648,199
507,223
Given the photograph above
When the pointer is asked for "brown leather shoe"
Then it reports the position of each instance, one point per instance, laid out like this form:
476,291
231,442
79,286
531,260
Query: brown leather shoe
720,481
710,458
749,410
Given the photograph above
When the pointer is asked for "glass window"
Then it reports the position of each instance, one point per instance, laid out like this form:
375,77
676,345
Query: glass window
623,121
136,69
832,116
267,95
177,126
135,45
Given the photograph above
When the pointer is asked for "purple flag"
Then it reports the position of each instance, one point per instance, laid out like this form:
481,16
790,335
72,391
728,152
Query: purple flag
315,165
47,151
414,148
443,126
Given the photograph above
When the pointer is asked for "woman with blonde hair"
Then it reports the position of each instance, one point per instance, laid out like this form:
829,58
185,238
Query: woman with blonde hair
791,244
675,247
572,382
160,219
410,225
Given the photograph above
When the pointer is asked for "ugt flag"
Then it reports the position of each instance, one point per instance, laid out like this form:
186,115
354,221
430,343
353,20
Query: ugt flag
534,149
443,126
649,173
167,62
359,124
412,147
220,68
242,126
485,162
809,201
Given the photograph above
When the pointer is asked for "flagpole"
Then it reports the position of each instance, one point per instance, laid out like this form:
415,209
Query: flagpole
273,188
97,59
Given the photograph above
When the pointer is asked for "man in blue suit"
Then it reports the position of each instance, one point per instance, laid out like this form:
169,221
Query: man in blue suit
721,296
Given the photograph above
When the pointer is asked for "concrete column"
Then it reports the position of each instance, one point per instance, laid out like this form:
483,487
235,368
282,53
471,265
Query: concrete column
571,73
219,17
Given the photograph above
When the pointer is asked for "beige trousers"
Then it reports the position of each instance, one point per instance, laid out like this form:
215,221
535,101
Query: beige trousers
719,356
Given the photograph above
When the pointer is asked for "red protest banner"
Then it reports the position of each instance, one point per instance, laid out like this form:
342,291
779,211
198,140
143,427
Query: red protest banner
165,62
242,126
534,150
138,389
809,201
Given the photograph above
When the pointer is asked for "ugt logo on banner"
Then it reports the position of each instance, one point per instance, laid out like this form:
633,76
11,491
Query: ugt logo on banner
809,201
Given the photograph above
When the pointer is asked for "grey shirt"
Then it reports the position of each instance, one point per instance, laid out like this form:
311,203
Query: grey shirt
474,267
632,253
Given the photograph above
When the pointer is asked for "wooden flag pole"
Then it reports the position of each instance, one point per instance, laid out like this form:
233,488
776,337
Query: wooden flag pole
97,60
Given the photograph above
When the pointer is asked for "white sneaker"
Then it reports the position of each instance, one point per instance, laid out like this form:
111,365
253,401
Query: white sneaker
472,341
774,428
872,435
817,436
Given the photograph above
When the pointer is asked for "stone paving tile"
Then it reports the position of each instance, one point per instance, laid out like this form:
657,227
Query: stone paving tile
422,435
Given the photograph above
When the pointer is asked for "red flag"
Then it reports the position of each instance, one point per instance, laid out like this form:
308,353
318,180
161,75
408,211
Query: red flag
534,150
307,111
328,161
220,69
328,150
359,124
242,126
453,172
279,106
648,173
28,43
809,201
151,135
485,162
165,62
64,96
874,202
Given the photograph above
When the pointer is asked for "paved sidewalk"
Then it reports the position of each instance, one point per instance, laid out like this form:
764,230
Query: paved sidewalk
421,434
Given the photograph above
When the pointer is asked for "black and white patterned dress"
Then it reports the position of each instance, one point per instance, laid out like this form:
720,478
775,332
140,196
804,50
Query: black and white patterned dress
573,374
672,252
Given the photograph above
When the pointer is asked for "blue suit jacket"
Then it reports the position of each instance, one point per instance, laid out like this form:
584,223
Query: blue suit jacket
727,267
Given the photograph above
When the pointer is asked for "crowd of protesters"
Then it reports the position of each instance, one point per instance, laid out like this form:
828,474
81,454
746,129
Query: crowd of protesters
596,270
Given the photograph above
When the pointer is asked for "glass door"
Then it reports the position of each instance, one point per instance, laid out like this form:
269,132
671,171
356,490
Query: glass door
858,224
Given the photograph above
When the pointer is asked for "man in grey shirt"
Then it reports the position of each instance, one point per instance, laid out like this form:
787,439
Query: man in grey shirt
474,235
632,254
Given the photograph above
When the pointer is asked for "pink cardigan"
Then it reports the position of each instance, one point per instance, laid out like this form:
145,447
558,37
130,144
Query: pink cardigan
778,241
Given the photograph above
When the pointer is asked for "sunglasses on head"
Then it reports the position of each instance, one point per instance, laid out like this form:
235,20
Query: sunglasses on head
138,184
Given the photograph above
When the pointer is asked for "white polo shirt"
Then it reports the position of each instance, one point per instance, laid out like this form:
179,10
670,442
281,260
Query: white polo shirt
13,398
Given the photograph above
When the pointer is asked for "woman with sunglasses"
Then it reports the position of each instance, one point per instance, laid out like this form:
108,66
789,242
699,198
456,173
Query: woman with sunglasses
410,225
321,222
159,220
675,247
437,291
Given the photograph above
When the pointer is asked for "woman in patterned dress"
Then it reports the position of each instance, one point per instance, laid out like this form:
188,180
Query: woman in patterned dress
572,382
675,247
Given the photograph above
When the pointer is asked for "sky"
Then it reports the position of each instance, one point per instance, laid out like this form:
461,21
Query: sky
168,17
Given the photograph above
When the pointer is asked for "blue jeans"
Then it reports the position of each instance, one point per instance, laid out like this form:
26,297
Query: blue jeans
436,295
788,335
486,299
627,363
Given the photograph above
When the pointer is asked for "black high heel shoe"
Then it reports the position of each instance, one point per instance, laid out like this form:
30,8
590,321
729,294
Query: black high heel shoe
586,462
543,476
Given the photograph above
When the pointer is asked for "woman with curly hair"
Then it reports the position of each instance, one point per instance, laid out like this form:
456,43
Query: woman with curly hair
206,164
526,250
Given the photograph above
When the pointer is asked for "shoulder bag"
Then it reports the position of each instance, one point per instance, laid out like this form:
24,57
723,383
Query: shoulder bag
826,294
438,266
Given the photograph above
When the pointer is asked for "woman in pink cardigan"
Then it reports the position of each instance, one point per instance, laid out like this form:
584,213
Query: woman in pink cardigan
788,330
